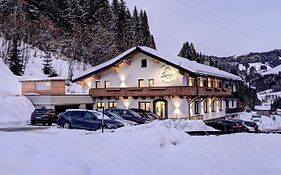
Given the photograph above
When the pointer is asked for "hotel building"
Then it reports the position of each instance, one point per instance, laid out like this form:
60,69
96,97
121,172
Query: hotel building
169,86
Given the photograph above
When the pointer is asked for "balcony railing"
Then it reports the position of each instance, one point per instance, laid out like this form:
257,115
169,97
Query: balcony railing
159,91
233,110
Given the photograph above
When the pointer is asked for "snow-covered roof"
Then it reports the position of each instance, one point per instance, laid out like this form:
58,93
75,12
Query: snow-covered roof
263,108
178,62
23,79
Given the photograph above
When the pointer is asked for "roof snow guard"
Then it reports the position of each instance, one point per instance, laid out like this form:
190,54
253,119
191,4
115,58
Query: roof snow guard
176,61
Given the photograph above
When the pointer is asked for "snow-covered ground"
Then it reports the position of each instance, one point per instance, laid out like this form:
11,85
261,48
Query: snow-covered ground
256,65
266,123
150,150
275,70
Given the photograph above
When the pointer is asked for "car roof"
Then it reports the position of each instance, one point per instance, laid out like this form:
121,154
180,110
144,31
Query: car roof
83,110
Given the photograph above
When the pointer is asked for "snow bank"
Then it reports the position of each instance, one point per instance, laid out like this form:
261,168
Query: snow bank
10,83
181,125
15,110
151,151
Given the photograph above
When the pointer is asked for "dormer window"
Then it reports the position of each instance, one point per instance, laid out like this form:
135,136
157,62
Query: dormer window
144,63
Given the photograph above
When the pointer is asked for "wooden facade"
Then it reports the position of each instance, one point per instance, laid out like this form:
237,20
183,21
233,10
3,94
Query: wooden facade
159,91
54,87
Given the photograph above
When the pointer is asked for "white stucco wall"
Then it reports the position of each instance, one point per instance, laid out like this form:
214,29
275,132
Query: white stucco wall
128,75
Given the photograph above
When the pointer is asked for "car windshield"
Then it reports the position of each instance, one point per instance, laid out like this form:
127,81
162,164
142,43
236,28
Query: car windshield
134,113
99,115
115,116
40,111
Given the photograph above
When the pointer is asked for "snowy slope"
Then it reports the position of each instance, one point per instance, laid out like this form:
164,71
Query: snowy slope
149,150
257,66
15,108
274,70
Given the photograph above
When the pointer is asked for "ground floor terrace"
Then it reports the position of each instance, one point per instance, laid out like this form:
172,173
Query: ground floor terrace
202,108
188,102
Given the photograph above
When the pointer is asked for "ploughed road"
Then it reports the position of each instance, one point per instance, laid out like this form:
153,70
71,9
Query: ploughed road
22,128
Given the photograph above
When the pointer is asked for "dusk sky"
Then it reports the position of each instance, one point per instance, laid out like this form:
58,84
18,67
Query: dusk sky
216,27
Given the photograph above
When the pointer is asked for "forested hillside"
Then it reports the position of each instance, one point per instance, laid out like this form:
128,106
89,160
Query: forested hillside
90,31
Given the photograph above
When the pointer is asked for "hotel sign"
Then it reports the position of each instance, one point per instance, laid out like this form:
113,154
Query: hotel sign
167,74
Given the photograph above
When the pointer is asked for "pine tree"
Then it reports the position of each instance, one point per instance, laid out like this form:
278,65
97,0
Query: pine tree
15,61
135,28
47,66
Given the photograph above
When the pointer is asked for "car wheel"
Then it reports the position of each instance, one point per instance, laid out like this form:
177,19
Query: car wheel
66,125
50,123
32,122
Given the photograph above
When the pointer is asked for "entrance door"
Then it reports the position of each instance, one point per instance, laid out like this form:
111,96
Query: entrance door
160,108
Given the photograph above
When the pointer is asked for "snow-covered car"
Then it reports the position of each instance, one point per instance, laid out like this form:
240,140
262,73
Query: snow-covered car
127,114
118,118
252,126
147,115
86,119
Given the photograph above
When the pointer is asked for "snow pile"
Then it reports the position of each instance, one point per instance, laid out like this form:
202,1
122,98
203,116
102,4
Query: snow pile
74,88
181,125
13,109
11,85
151,151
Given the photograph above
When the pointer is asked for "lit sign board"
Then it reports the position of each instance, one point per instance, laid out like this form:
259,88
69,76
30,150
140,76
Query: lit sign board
167,75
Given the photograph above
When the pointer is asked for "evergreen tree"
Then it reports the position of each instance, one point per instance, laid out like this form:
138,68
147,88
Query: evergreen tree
135,22
47,66
15,60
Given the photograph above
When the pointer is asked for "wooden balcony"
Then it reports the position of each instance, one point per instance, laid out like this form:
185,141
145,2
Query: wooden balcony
158,91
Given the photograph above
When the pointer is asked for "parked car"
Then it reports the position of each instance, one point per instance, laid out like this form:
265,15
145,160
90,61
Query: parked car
227,125
86,119
118,118
127,114
252,126
42,116
147,115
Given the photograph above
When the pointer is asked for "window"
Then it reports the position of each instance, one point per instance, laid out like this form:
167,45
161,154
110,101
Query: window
112,105
205,104
190,81
140,83
106,84
100,104
97,84
89,115
43,86
144,106
197,107
220,105
205,83
150,82
79,114
213,106
144,63
220,84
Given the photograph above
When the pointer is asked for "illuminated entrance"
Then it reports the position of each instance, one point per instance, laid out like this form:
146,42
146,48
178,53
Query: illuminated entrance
160,108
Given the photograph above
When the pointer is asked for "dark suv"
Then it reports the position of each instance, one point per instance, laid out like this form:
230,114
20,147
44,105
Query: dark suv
42,116
86,119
